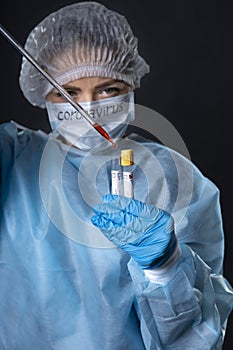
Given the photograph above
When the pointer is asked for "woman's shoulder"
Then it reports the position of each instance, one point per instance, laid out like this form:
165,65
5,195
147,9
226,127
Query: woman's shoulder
13,132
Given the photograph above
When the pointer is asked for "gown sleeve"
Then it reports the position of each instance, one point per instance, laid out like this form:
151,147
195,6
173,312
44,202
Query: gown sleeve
12,142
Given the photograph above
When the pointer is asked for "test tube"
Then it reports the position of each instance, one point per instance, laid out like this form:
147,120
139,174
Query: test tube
116,177
127,161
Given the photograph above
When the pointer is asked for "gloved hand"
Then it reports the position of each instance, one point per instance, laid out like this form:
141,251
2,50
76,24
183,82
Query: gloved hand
143,231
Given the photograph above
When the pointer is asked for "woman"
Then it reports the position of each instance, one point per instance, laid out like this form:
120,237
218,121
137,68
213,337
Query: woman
143,273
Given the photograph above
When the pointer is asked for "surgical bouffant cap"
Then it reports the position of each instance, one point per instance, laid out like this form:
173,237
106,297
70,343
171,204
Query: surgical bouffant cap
80,40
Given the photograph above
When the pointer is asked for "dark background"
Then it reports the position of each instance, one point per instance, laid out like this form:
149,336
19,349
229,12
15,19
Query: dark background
188,45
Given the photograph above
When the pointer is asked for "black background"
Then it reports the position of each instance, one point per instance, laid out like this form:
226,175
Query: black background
188,45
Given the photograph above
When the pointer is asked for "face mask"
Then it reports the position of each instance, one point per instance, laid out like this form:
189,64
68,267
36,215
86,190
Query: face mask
113,114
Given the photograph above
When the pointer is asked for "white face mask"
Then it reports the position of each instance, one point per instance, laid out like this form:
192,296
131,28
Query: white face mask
113,114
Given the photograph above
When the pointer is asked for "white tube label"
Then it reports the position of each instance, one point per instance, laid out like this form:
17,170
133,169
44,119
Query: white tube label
116,182
128,184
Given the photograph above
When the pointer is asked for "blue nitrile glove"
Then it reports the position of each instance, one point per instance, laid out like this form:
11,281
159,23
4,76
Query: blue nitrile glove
143,231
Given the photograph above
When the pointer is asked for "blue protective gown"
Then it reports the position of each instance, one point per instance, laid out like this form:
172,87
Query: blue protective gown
63,286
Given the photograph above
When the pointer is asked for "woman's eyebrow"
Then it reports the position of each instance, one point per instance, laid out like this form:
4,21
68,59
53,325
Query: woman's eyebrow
109,82
70,87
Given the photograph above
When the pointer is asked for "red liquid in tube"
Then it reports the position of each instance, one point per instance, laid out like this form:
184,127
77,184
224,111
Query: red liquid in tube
104,134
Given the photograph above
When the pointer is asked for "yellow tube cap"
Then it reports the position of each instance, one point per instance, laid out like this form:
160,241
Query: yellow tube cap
127,157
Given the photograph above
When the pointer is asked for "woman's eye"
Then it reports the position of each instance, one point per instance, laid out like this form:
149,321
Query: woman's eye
110,91
71,92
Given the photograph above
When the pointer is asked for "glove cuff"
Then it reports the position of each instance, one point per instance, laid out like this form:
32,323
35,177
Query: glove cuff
166,272
166,255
